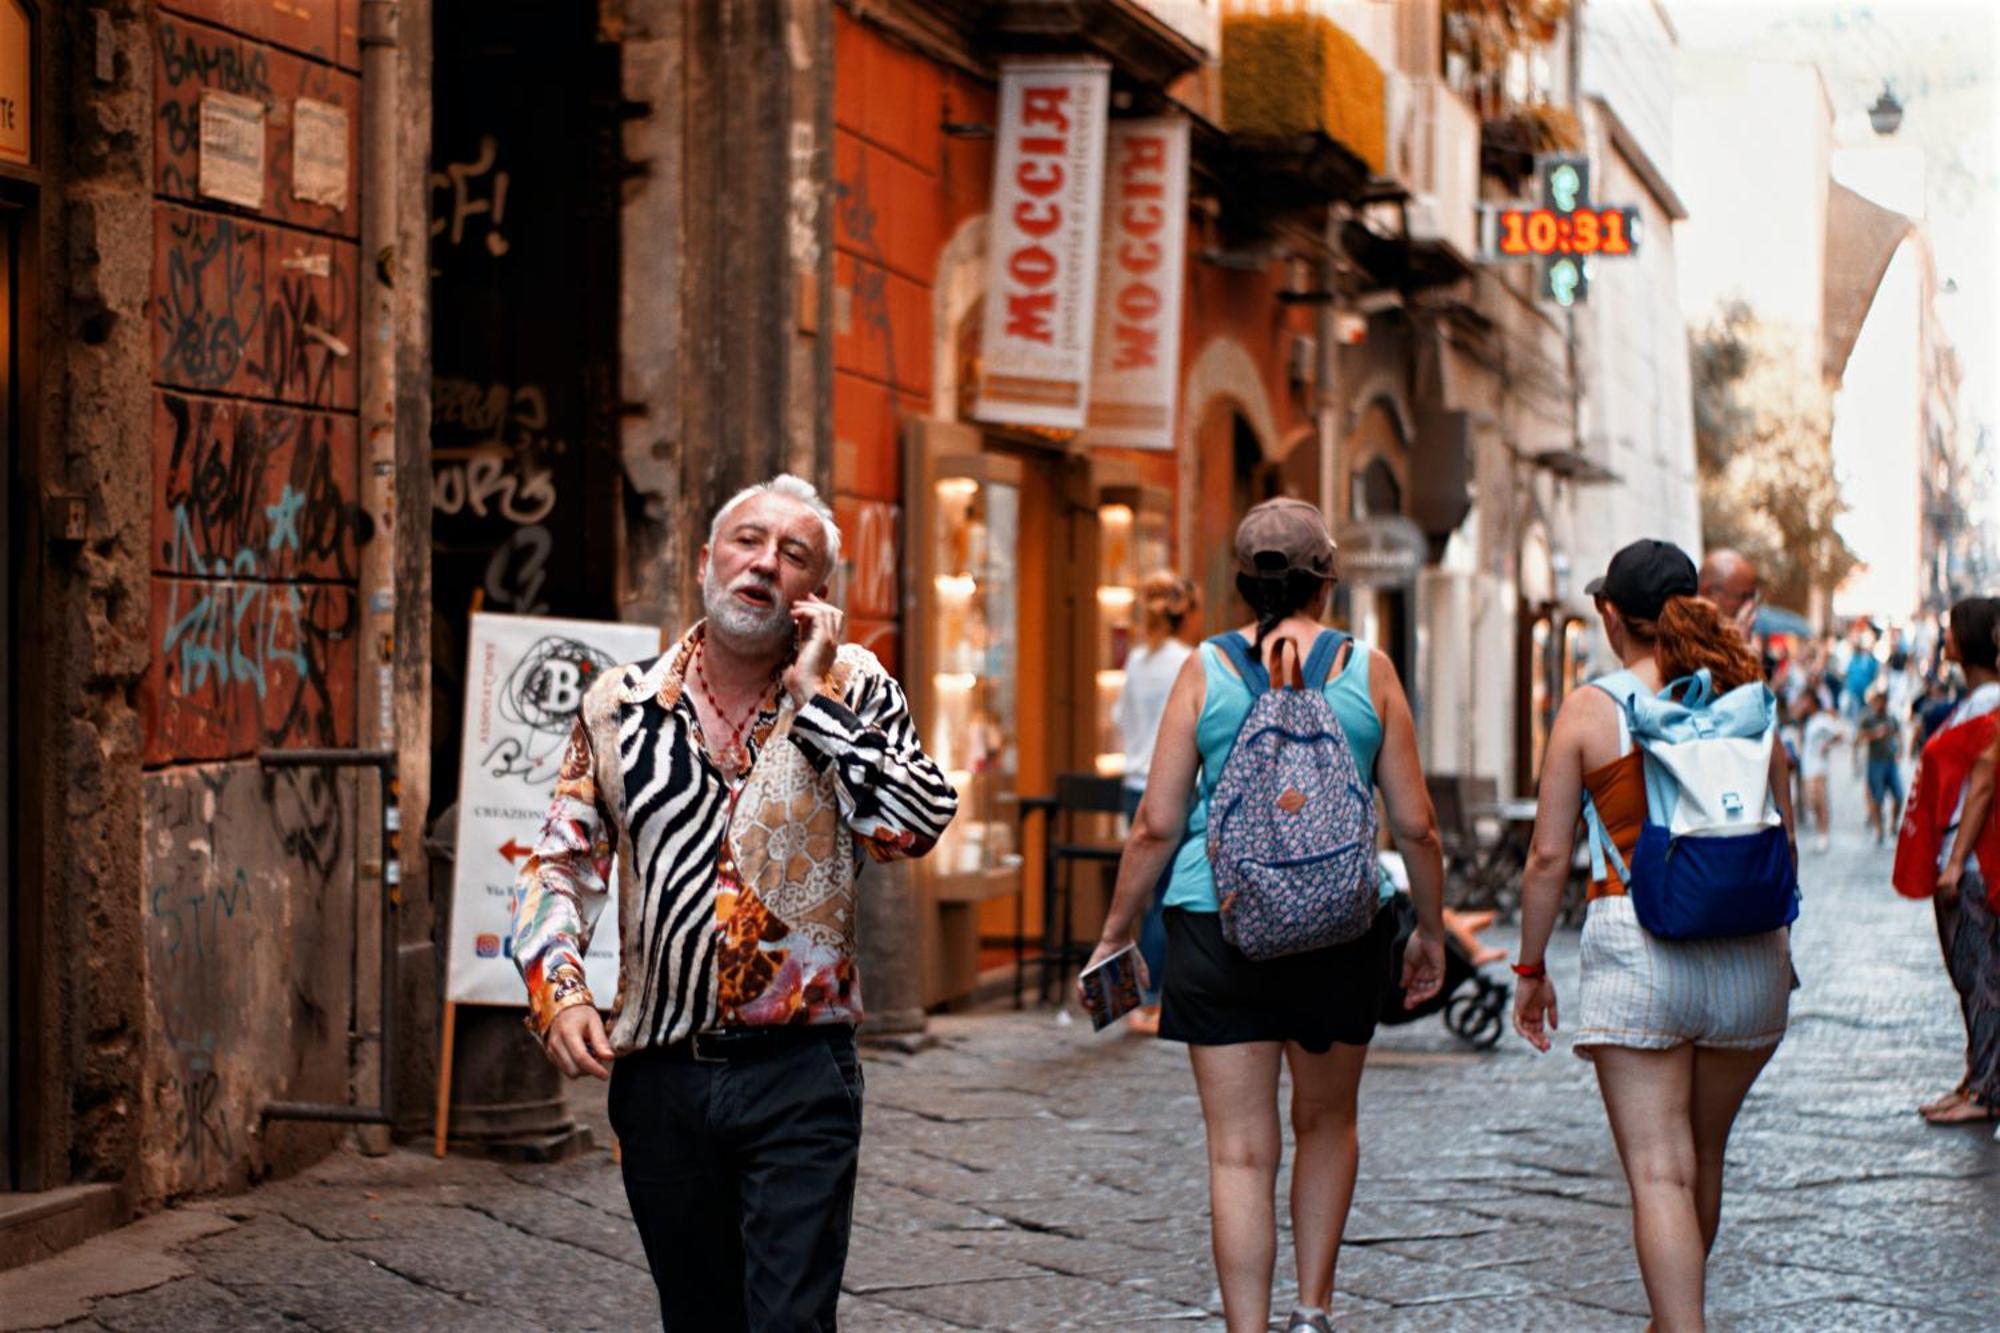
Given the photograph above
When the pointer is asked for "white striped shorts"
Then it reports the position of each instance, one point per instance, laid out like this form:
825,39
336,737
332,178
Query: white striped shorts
1650,994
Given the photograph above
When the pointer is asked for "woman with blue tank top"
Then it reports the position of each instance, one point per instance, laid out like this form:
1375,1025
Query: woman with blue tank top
1314,1011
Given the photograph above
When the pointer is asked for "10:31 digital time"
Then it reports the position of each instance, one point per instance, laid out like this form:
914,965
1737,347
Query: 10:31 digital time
1544,231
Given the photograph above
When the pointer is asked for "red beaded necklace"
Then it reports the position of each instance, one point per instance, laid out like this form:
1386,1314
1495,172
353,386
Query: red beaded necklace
734,758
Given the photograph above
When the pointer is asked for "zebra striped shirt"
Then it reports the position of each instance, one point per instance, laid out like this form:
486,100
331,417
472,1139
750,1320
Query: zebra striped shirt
638,783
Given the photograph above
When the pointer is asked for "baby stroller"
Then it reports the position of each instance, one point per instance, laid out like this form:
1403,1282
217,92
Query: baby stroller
1475,1013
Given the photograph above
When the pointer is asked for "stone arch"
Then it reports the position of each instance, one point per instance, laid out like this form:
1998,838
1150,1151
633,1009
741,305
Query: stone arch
1225,369
1378,434
1223,372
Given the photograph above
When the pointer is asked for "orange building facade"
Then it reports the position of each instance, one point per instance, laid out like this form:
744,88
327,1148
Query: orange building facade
994,566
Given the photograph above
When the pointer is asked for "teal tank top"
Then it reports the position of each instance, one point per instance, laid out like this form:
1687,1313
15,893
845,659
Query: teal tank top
1225,704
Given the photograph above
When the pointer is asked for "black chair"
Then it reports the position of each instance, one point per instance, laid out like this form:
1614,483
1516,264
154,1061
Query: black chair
1456,834
1028,807
1077,796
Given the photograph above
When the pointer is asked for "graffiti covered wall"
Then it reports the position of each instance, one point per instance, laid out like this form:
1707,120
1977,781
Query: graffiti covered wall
254,600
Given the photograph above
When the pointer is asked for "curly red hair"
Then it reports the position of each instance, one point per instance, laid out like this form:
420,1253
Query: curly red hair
1692,633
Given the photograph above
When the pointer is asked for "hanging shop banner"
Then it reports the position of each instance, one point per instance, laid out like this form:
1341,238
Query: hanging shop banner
1141,262
524,681
1042,241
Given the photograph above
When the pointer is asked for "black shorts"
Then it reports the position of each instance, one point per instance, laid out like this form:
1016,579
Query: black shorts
1214,996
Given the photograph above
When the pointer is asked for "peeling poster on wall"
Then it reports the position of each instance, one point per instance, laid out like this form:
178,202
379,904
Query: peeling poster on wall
232,149
319,153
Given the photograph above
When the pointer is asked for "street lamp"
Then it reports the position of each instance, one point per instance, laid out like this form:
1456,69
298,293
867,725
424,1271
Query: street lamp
1887,113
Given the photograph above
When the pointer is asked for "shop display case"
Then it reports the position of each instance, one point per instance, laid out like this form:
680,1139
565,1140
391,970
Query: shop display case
963,636
1132,542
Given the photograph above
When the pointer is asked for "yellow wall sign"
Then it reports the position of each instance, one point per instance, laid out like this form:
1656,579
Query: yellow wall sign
17,83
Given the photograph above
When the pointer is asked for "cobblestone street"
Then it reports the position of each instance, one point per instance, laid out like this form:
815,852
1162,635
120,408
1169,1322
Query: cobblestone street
1022,1174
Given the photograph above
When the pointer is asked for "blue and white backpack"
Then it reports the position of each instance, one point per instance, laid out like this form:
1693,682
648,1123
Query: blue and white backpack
1713,859
1291,829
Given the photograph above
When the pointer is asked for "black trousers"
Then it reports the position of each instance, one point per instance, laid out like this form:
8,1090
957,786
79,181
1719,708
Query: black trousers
741,1181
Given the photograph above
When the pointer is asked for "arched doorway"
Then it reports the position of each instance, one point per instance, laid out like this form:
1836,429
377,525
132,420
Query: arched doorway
1378,454
1233,474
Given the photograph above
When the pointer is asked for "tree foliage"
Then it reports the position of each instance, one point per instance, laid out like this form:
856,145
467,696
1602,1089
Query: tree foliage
1763,430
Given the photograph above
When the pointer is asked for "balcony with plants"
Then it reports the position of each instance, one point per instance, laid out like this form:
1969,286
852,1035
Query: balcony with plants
1503,58
1305,105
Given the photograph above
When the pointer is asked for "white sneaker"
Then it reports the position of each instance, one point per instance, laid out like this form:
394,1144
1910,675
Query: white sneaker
1309,1321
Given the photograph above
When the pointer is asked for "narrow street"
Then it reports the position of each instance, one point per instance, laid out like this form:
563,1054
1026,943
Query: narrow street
1023,1175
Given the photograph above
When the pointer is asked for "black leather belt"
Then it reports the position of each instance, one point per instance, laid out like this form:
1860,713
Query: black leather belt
729,1046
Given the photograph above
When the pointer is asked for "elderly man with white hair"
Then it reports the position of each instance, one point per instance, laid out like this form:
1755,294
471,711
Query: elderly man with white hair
739,778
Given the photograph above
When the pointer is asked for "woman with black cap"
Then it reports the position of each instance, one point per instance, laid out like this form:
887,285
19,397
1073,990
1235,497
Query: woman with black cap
1314,1010
1678,1029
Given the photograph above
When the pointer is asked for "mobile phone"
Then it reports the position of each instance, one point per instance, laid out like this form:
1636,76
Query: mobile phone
1111,987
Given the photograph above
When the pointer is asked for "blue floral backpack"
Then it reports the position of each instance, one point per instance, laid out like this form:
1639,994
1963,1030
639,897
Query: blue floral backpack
1291,828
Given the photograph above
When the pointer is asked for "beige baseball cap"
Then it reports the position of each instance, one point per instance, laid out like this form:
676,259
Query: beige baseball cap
1285,534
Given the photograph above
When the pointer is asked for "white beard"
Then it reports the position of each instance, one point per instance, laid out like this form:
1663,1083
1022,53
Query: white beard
746,626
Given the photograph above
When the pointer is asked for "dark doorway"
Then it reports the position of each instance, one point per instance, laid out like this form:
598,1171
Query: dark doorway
524,292
20,914
9,404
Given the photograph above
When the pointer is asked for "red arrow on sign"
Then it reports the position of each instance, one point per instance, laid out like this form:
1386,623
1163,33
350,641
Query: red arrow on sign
513,850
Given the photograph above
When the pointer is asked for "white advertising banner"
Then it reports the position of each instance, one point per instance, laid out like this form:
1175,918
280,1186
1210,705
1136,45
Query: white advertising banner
524,681
1136,362
1041,242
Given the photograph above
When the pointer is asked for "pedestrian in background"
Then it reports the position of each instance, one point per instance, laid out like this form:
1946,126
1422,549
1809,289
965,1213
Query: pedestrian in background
1949,851
1820,729
735,1085
1862,669
1730,581
1167,603
1314,1011
1879,736
1678,1029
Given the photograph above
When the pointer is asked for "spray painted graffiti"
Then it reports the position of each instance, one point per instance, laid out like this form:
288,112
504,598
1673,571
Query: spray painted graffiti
213,299
254,492
302,343
518,571
254,516
493,485
869,281
242,308
309,819
476,191
248,944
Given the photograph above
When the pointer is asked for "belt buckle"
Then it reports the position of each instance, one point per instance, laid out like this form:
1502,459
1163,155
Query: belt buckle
695,1050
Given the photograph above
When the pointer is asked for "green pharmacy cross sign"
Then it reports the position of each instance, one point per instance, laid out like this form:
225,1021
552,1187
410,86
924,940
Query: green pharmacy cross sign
1565,232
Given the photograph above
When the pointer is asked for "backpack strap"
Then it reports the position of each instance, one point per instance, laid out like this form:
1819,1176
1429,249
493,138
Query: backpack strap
1286,656
1231,645
1601,846
1325,651
1623,687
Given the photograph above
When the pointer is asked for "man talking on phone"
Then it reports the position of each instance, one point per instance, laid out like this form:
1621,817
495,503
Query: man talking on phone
740,779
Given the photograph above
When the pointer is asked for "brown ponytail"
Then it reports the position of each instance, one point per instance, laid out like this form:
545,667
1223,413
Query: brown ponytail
1691,634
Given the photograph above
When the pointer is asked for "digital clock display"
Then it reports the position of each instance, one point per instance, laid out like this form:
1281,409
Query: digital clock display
1524,232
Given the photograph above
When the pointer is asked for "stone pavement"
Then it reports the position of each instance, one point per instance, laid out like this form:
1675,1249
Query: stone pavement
1026,1175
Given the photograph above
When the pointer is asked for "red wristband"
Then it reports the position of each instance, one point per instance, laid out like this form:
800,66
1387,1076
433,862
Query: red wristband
1530,971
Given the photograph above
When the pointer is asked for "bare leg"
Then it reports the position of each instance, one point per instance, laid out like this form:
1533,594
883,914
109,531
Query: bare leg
1648,1096
1325,1154
1721,1080
1239,1104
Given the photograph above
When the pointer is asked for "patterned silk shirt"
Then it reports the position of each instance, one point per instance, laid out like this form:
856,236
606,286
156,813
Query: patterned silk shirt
700,948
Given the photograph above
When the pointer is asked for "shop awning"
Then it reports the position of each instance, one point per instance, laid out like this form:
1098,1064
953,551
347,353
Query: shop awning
1861,239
